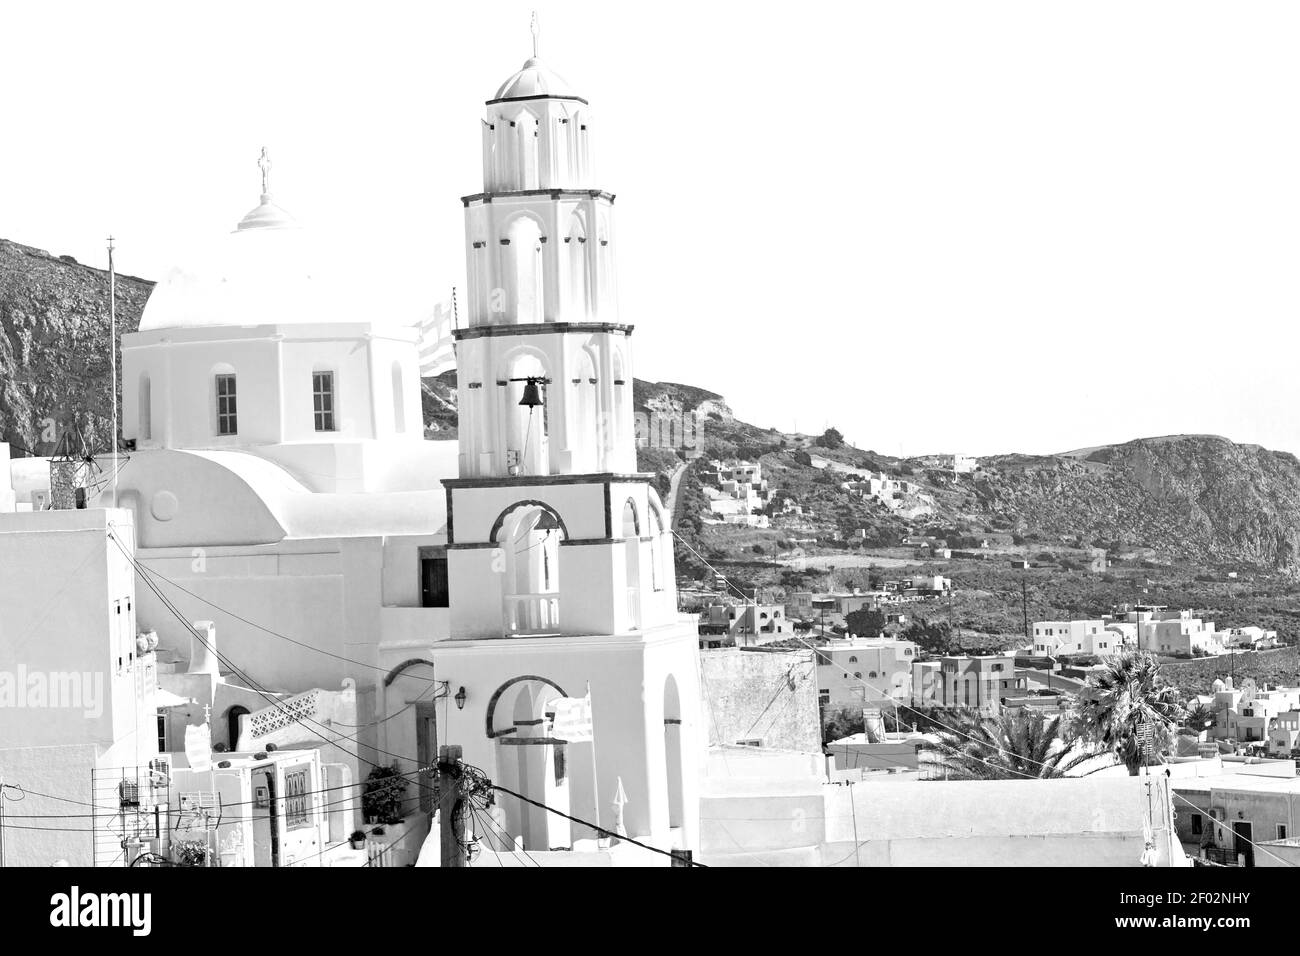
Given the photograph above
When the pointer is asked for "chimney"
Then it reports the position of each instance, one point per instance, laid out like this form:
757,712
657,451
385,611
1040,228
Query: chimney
203,659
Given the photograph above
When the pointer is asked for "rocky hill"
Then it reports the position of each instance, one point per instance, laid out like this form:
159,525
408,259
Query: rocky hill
1200,498
54,351
1195,496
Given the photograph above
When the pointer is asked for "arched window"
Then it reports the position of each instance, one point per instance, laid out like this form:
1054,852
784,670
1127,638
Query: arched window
526,132
871,674
575,258
585,419
853,660
529,426
658,573
145,410
399,399
858,675
526,249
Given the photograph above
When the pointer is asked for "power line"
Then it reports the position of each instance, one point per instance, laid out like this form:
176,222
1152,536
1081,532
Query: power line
586,823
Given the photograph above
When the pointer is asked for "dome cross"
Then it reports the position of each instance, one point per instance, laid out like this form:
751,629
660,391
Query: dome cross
264,164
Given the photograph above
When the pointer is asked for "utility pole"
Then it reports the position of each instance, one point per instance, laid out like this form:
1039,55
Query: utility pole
449,807
112,354
1024,606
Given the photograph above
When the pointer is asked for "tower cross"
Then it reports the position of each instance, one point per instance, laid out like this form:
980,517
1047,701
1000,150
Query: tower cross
264,164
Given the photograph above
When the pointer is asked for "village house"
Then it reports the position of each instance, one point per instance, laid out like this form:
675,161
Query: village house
1053,638
978,682
864,671
1225,818
742,625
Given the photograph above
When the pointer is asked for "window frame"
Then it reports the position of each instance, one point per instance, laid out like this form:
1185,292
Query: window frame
227,392
324,419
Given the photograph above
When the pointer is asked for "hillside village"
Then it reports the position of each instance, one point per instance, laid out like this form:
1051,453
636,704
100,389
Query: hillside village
317,604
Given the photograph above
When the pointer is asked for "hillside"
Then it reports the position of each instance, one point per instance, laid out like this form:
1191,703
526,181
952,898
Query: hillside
1186,498
54,353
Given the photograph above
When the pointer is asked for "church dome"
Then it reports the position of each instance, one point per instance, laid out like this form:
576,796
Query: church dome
268,271
535,79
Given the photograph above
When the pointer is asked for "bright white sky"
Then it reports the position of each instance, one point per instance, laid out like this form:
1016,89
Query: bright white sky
941,226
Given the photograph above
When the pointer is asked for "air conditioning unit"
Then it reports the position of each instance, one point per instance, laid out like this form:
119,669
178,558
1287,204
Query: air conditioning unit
160,773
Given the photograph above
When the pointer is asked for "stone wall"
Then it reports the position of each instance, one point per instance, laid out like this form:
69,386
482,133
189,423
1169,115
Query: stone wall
761,694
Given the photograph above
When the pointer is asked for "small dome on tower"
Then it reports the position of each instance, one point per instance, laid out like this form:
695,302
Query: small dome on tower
535,79
267,215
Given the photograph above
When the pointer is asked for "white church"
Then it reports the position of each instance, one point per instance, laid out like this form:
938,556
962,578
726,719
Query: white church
283,489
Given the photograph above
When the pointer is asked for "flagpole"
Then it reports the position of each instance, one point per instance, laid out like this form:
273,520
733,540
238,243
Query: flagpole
595,776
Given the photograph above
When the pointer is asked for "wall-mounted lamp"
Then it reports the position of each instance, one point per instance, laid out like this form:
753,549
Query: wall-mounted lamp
460,699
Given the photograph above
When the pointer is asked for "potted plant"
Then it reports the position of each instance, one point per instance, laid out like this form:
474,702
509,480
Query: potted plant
358,840
381,800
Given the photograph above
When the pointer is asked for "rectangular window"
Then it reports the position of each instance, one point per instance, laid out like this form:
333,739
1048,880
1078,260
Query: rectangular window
297,812
322,398
162,734
227,413
1196,824
434,590
1281,831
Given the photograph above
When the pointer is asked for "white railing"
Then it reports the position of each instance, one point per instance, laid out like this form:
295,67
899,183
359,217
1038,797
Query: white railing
288,712
532,613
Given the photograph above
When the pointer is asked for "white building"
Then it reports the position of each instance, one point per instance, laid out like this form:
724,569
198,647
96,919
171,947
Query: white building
865,672
1052,638
282,489
78,695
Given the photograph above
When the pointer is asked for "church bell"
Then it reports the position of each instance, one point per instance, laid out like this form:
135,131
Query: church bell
532,395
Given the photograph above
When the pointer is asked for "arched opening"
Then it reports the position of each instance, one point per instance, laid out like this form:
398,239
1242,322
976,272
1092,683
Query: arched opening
529,534
525,237
145,400
620,389
658,573
632,562
585,414
531,762
232,725
526,135
399,399
528,426
674,771
575,257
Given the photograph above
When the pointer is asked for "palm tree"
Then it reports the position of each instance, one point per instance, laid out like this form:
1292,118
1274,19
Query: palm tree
1125,699
1198,718
1010,746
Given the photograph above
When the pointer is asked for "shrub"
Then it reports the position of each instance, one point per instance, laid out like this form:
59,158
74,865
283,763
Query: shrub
381,800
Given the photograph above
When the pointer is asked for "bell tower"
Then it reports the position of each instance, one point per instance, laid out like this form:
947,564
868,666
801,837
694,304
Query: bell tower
542,308
559,552
544,382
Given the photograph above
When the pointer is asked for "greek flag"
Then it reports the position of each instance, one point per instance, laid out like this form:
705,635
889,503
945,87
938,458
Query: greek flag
573,719
437,348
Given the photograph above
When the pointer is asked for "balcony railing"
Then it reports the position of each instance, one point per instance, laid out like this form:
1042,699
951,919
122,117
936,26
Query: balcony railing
532,614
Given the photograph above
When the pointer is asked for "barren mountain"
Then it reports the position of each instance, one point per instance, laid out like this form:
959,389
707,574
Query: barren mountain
1196,497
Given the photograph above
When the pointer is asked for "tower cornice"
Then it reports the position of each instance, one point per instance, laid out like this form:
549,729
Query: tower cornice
549,193
540,328
536,96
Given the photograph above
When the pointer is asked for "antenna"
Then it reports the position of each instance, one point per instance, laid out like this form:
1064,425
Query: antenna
534,29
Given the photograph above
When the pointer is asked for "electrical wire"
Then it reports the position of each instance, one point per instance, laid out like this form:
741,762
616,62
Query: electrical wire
599,829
